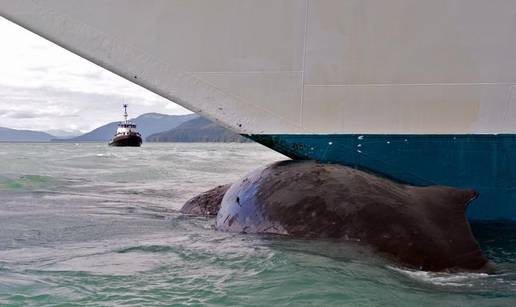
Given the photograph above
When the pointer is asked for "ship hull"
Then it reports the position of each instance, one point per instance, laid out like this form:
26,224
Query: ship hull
483,162
439,73
126,141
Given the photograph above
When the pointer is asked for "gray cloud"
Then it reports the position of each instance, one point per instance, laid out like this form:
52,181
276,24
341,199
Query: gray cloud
62,108
20,114
40,68
45,87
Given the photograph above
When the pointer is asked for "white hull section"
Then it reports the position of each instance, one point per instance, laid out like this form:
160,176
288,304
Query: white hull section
304,66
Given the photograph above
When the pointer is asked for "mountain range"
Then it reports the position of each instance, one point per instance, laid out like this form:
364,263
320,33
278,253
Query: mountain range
153,127
14,135
64,134
197,130
147,124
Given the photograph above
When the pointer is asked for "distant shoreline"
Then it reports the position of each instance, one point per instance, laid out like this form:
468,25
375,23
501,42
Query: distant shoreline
103,142
153,127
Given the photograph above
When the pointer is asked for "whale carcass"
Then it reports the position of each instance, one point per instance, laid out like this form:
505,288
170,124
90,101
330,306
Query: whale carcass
420,227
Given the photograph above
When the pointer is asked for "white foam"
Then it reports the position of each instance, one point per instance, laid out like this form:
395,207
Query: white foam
441,278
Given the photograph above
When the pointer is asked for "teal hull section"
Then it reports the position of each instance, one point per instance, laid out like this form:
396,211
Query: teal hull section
486,163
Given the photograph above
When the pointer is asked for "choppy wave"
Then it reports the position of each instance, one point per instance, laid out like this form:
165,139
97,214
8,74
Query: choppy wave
26,182
91,225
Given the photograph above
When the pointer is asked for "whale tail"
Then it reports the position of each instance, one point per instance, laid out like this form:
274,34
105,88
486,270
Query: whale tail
466,197
445,208
443,199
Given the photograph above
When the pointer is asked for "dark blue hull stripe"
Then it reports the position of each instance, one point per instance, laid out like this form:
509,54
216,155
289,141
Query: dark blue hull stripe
486,163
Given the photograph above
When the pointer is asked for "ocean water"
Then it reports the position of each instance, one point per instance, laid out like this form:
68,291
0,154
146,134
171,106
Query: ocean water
91,225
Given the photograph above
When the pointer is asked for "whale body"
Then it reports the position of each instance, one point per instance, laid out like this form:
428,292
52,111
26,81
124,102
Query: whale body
420,227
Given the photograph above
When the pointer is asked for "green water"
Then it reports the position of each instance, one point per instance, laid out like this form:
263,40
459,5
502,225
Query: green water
90,225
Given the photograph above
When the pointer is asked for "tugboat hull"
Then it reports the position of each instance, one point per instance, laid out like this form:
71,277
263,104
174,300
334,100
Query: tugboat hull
126,141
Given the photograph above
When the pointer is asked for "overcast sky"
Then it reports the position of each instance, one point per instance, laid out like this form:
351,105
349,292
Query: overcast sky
44,87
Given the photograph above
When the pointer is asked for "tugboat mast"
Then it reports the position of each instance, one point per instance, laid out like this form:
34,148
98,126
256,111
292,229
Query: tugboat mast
125,113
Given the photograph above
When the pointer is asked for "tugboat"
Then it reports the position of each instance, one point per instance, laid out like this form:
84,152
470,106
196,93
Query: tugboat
126,133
